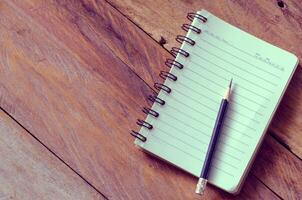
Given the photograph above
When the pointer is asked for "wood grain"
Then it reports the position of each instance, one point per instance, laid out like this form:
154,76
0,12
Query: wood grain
264,19
279,168
140,47
29,171
71,90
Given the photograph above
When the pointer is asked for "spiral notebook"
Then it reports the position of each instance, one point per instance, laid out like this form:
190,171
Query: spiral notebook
179,125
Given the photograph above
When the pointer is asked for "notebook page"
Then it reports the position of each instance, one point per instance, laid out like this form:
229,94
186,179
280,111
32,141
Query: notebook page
182,132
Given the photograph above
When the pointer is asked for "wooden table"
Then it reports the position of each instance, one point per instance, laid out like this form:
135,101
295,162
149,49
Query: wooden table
74,75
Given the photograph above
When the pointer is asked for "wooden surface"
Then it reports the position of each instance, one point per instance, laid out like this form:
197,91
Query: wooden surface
74,75
28,170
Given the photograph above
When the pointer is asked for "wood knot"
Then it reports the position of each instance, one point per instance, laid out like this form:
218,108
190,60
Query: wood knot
281,4
162,41
21,31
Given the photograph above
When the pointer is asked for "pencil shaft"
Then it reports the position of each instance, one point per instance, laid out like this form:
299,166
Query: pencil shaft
215,135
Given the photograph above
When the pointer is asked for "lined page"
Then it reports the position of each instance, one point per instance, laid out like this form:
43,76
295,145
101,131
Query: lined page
182,132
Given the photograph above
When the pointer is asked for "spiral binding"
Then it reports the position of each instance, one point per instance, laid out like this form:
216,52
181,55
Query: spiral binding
175,50
167,75
187,27
144,123
138,136
156,99
164,75
170,63
181,39
191,17
150,111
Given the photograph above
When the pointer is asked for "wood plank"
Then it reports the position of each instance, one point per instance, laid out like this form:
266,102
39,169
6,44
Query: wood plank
287,123
29,171
68,88
279,168
131,38
264,19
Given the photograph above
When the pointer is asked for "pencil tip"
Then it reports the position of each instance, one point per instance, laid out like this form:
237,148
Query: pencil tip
230,85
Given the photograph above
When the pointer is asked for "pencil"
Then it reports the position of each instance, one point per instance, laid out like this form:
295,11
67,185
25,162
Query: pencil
203,178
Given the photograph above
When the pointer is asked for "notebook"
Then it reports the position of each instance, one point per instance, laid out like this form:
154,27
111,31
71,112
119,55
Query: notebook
180,122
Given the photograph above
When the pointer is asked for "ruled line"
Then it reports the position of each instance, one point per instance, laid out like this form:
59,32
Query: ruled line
182,131
236,66
213,110
235,93
196,158
242,115
188,106
196,148
193,156
223,86
197,92
209,117
207,135
233,46
224,135
201,122
272,74
188,125
240,77
208,138
241,133
213,101
222,77
219,95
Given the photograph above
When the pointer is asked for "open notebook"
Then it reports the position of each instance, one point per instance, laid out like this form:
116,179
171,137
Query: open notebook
181,132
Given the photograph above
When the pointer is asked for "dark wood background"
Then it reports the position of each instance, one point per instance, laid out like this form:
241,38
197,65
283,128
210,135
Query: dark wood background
74,75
